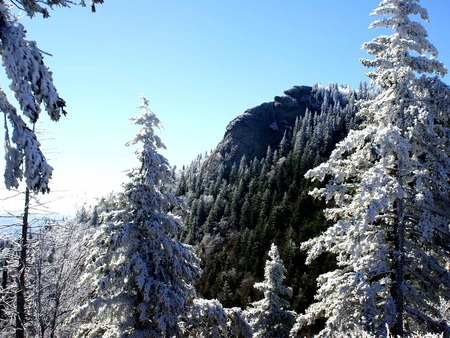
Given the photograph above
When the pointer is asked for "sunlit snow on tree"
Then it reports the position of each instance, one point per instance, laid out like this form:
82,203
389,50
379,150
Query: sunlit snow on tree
270,317
142,275
387,191
33,88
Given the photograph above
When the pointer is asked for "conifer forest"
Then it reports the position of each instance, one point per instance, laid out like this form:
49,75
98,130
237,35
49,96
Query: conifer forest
324,213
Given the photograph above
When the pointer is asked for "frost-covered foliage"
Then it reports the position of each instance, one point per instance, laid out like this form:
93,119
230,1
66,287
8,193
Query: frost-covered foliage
56,263
140,276
55,252
33,7
208,318
387,193
364,334
33,88
270,317
8,289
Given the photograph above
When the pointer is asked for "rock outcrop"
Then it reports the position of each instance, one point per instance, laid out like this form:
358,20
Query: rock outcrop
251,133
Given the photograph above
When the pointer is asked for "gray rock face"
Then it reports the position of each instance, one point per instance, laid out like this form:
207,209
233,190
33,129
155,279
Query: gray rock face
252,132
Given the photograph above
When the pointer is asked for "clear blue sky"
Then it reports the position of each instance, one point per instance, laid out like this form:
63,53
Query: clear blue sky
201,63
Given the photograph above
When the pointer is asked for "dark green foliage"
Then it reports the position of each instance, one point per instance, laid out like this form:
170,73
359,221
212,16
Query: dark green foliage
262,201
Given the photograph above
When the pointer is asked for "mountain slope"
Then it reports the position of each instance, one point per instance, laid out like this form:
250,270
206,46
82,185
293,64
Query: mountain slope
250,192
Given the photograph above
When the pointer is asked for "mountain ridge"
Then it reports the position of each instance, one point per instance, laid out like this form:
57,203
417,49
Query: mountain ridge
260,127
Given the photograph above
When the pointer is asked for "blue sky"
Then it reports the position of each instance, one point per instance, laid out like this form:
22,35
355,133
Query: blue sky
201,63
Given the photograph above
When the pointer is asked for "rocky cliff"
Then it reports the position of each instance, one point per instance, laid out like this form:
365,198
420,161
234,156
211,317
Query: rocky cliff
251,133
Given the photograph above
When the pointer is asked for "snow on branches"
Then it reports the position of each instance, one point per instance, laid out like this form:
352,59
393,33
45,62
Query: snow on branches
141,276
270,317
387,192
33,88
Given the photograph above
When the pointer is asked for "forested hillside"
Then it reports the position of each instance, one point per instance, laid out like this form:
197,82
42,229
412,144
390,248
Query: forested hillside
323,213
234,215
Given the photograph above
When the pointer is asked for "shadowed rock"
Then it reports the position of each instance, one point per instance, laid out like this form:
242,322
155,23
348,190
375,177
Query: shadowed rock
251,133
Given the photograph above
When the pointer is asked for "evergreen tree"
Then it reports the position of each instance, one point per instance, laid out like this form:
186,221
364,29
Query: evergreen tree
270,317
216,212
142,276
388,193
33,88
209,318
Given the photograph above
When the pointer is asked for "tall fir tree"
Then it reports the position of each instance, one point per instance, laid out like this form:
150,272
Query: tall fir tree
142,275
387,193
270,316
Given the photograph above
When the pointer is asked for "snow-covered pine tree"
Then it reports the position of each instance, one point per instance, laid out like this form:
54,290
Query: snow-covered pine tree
33,88
208,318
142,275
387,192
270,317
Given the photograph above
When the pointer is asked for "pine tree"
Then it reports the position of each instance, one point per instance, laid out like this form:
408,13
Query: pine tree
208,318
33,88
388,193
142,275
270,317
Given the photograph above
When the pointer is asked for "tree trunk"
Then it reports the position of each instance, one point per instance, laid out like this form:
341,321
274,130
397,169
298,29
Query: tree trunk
4,286
20,315
5,275
398,269
399,241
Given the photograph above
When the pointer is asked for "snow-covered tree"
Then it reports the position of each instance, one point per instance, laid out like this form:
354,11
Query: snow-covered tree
387,192
208,318
8,291
270,317
32,85
142,275
56,262
33,88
